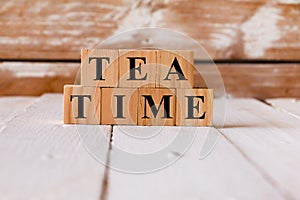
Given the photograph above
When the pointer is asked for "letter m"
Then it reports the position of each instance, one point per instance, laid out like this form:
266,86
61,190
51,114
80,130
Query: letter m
154,109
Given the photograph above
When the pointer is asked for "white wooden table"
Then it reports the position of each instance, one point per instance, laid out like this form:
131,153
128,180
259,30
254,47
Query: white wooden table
257,156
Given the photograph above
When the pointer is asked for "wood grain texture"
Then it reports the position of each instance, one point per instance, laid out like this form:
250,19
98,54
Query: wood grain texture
253,80
169,66
269,139
119,106
44,159
138,68
36,78
99,67
227,29
224,174
190,105
82,104
162,112
240,80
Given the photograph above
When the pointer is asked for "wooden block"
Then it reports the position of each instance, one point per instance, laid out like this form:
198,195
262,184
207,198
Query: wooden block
194,107
175,69
119,106
156,107
99,67
137,68
81,104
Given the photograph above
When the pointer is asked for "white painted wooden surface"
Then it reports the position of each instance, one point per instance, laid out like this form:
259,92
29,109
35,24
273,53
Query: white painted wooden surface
256,157
43,159
269,139
291,106
224,174
10,107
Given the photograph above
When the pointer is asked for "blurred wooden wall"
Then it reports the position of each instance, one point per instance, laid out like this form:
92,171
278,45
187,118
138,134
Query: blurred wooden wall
255,43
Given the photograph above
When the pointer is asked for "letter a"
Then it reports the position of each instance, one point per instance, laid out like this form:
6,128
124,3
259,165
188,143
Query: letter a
178,69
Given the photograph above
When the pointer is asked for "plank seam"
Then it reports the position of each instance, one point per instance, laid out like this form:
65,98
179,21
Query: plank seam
279,108
105,181
264,101
263,173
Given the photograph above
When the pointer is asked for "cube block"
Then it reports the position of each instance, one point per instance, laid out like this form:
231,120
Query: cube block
119,106
81,104
138,87
99,67
137,68
156,107
175,69
194,107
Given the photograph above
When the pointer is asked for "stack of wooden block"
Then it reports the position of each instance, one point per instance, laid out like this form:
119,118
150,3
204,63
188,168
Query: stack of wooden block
137,87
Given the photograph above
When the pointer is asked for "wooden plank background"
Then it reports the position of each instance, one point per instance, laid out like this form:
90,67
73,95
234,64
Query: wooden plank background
241,80
256,44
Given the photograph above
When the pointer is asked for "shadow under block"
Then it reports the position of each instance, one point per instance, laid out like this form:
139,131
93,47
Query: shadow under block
156,107
194,107
137,68
81,104
99,67
119,106
175,69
